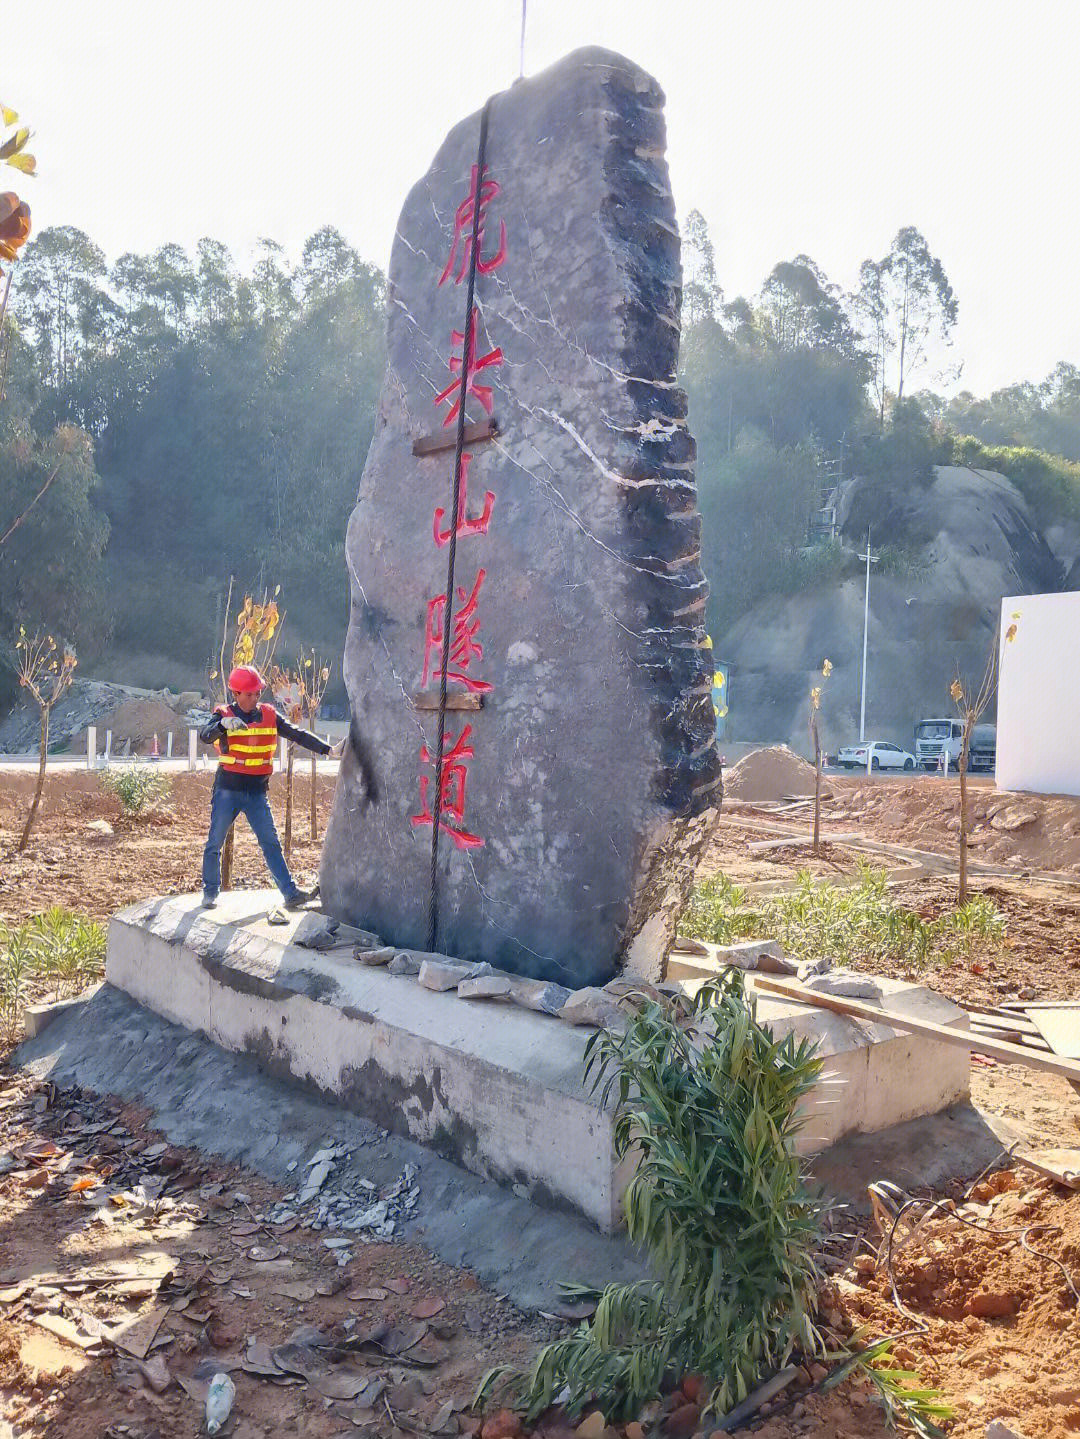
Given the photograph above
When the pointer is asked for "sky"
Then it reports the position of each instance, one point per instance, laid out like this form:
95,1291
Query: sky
818,127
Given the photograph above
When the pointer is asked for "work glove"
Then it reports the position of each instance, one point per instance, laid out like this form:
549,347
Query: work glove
230,722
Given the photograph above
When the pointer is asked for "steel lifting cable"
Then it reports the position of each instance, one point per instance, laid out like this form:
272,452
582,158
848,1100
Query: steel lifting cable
448,604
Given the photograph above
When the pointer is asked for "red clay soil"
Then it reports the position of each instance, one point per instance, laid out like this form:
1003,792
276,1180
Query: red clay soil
232,1278
924,813
70,864
1019,1363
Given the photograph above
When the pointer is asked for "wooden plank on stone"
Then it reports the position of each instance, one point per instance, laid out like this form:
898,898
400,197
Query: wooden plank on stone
1060,1027
963,1038
444,440
429,700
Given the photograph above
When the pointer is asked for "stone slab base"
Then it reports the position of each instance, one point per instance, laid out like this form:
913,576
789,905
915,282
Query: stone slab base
495,1088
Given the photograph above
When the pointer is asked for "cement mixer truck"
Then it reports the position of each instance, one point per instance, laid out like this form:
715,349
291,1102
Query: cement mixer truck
937,737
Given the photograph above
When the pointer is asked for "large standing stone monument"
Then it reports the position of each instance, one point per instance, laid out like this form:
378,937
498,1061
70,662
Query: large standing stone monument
580,765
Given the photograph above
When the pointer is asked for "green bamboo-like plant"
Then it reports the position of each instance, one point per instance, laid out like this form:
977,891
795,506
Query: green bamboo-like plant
709,1101
817,919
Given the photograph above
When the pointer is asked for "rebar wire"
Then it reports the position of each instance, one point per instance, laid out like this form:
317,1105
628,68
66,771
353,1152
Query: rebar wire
448,603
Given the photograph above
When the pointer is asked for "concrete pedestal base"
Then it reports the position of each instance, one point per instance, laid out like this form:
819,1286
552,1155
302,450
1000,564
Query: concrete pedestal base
496,1088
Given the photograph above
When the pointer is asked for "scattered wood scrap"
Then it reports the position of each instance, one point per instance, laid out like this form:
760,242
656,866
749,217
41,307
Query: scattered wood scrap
983,1042
1012,1026
1059,1025
1060,1165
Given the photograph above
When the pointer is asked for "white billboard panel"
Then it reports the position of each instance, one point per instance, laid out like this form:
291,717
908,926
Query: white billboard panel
1038,712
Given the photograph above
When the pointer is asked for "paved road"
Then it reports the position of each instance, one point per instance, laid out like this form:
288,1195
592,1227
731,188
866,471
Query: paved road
204,764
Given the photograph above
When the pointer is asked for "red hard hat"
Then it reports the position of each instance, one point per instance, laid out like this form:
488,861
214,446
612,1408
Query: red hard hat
244,680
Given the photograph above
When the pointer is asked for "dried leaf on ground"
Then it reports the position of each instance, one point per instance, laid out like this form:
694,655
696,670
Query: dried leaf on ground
402,1338
301,1292
428,1308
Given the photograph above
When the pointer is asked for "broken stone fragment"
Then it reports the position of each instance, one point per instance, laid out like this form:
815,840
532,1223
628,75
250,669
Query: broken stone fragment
593,1006
1013,818
810,967
626,988
485,986
443,974
541,995
375,956
763,954
404,963
371,1218
847,985
998,1429
315,1181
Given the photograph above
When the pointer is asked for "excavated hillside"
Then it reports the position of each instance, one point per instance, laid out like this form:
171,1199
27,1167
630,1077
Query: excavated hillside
976,542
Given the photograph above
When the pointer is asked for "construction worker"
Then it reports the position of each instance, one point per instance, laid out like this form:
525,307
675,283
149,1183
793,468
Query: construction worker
245,735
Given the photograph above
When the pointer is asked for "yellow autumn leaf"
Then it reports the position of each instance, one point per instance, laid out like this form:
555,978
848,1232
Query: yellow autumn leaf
1010,634
956,689
10,115
26,163
826,668
14,143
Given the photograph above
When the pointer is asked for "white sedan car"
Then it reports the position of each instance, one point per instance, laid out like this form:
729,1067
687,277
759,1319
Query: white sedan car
878,754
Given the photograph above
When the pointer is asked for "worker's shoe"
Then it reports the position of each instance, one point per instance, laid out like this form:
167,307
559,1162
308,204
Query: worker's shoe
301,897
209,901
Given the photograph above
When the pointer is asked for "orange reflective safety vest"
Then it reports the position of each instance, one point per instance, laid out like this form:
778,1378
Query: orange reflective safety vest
251,749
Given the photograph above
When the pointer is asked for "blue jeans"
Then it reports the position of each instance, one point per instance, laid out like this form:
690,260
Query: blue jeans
225,806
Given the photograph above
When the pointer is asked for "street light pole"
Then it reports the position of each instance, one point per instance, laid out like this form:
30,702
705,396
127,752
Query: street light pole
870,559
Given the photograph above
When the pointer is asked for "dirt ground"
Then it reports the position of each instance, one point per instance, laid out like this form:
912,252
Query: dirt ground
195,1274
997,1326
69,863
1041,951
1022,831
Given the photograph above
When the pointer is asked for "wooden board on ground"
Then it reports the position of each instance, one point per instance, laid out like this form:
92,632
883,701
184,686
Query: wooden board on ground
1060,1027
984,1043
1061,1165
1001,1029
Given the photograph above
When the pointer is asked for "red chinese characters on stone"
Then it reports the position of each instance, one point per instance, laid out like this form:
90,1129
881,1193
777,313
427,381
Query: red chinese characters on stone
464,646
466,525
464,650
477,363
461,246
452,792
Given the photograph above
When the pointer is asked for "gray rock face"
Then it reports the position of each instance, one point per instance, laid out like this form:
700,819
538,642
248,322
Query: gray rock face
574,799
924,628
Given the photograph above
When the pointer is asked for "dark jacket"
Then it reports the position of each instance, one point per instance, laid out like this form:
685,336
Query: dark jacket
215,731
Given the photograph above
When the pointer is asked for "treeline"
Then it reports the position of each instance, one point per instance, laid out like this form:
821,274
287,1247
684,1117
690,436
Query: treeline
168,421
802,382
214,423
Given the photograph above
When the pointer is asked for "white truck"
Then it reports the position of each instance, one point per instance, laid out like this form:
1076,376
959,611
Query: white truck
934,737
